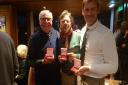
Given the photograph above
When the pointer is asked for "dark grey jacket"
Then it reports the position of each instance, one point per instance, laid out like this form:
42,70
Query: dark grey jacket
8,60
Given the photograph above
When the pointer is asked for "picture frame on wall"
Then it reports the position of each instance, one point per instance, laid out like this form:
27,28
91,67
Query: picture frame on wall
3,23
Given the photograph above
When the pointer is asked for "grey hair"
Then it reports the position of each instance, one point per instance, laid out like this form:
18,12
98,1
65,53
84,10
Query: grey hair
44,12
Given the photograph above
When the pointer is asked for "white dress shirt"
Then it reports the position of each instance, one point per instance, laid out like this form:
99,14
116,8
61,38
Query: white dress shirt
101,52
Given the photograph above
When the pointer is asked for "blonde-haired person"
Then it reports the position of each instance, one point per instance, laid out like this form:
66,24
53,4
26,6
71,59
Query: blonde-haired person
22,51
21,77
70,39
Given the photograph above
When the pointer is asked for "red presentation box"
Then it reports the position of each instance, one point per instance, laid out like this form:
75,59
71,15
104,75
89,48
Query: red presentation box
49,53
63,53
76,66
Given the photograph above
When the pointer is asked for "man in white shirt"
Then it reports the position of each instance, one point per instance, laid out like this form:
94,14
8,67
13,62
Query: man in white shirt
100,57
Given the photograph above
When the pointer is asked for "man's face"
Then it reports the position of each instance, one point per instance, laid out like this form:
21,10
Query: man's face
90,12
46,23
65,24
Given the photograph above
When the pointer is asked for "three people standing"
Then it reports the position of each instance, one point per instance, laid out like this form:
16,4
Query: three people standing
100,57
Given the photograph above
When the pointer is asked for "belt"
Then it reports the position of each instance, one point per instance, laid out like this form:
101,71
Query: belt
87,80
83,77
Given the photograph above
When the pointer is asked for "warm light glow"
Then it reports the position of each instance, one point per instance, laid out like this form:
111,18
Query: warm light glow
111,4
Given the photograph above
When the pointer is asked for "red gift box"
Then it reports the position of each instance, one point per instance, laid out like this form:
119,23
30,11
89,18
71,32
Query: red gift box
76,66
63,54
49,54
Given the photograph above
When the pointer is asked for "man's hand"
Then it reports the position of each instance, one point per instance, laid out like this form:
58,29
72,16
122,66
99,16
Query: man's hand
62,58
82,70
71,56
123,45
48,59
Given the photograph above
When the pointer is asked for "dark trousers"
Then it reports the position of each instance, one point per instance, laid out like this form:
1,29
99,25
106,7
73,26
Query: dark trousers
85,80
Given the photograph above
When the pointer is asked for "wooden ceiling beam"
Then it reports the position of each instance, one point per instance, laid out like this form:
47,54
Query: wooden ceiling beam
56,6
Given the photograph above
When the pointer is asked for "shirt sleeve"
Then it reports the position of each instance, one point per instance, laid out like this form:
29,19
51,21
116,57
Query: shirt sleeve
110,64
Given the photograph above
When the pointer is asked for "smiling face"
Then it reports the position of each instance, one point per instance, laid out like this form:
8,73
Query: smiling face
90,11
45,20
65,23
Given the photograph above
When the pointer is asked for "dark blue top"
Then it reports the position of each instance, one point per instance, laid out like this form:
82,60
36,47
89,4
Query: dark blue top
46,74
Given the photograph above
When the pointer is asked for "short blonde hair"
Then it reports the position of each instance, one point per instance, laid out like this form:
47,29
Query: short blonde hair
22,51
44,13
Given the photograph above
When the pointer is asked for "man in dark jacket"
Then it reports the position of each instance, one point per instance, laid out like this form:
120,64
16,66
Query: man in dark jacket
47,71
8,60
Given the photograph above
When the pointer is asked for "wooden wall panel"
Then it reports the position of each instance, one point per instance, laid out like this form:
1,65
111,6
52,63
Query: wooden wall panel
56,6
6,10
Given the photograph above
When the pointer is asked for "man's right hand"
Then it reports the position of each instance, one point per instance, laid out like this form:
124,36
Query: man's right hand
62,58
48,59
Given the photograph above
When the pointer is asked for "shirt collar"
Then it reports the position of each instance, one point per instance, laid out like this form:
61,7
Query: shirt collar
90,27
